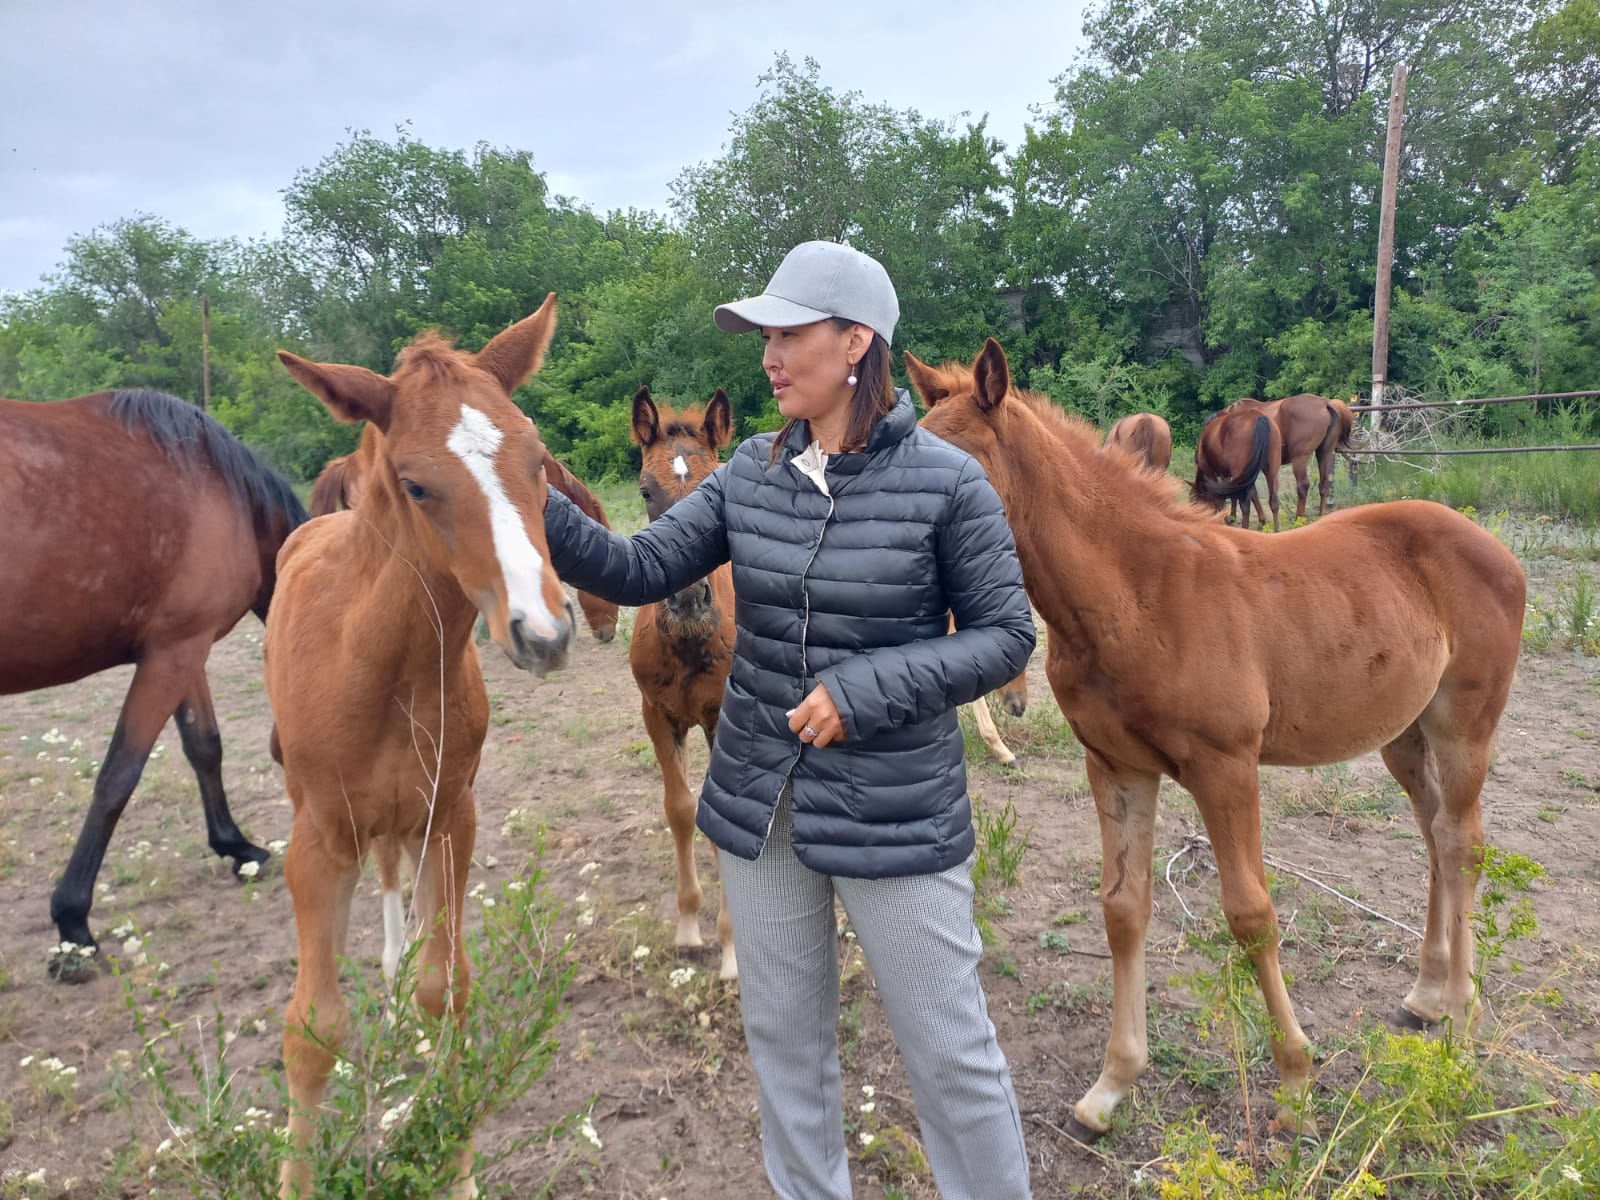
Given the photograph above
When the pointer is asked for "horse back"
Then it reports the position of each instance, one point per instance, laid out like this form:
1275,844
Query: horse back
110,548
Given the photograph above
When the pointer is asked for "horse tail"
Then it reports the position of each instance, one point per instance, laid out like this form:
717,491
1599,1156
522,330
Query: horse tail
328,493
1261,442
1347,422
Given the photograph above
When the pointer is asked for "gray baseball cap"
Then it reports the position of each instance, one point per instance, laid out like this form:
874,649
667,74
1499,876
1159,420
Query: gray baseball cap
815,281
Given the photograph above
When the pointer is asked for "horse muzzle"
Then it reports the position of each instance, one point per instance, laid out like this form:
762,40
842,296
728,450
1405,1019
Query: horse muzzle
541,655
692,604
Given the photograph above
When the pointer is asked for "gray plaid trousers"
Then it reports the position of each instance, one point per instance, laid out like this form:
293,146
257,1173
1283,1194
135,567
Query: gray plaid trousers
919,940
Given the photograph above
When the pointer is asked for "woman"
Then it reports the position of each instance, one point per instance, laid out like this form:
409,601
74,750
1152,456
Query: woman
838,767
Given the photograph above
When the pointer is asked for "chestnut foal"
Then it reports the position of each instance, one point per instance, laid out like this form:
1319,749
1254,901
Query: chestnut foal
374,678
683,646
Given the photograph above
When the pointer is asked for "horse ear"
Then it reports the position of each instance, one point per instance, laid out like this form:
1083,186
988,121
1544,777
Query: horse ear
515,353
719,419
925,379
350,393
992,375
646,420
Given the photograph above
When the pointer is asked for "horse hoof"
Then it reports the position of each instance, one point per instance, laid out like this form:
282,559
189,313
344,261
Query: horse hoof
74,962
1404,1018
1079,1132
1014,763
246,857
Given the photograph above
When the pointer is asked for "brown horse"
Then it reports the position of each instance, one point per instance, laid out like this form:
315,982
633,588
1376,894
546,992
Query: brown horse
1145,436
1309,426
1178,646
373,674
683,646
137,530
337,487
1236,446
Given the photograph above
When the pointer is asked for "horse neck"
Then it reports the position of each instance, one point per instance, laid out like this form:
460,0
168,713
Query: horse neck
1083,534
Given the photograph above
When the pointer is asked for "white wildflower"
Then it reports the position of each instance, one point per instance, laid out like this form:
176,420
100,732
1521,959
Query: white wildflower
36,1178
640,953
869,1106
27,1061
516,885
1570,1173
126,929
680,976
131,946
278,847
490,862
586,1128
868,1090
249,870
258,1026
867,1138
166,1144
588,868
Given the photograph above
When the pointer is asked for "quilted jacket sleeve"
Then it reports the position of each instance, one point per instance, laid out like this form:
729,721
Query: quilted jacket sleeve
982,580
685,543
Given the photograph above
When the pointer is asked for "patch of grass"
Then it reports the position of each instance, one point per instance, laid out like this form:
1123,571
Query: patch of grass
1001,846
403,1092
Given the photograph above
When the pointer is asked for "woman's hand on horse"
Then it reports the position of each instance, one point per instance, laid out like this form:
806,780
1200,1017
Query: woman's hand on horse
816,721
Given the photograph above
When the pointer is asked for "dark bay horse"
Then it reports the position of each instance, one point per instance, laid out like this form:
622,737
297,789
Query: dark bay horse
1145,436
683,646
1238,446
337,487
376,688
1178,646
136,530
1309,427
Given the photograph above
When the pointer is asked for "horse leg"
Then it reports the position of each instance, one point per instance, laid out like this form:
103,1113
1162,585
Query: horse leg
1125,803
321,884
1443,773
679,803
730,962
386,850
1227,791
990,734
158,684
1325,478
202,745
444,976
1302,485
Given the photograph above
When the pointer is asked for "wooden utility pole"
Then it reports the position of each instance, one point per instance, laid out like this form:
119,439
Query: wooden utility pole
1380,299
205,351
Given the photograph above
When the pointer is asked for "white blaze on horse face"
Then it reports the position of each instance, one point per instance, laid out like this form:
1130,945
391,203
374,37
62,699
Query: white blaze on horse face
680,468
476,441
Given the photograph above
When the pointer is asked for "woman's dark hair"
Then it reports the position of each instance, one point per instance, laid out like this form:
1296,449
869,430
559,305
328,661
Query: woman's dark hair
874,395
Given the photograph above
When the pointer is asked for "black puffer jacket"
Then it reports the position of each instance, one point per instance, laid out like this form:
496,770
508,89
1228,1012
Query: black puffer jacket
853,590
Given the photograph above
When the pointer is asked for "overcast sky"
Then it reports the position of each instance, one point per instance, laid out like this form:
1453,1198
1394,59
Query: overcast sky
200,111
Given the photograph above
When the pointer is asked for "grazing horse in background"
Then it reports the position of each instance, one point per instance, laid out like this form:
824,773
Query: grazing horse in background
1236,446
338,486
376,688
1309,426
1145,436
137,530
683,646
1178,646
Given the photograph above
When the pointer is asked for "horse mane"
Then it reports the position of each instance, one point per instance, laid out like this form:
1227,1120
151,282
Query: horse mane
433,359
1118,478
194,439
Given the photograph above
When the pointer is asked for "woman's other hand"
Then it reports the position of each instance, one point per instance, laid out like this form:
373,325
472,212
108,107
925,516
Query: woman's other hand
816,721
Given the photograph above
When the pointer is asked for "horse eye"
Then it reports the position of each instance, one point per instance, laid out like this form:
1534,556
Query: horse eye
415,490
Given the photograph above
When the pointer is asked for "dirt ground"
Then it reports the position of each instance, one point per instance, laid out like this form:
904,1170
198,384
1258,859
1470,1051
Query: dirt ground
671,1093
